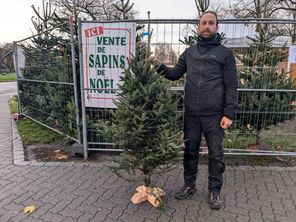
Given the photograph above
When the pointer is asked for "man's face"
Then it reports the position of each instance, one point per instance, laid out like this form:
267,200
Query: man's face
207,25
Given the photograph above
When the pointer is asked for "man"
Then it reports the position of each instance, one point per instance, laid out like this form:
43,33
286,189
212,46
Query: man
210,102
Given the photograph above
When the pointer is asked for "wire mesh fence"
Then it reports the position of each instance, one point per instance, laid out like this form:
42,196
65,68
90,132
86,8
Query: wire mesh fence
265,121
46,86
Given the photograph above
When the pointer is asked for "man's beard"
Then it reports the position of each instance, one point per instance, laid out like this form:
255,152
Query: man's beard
209,34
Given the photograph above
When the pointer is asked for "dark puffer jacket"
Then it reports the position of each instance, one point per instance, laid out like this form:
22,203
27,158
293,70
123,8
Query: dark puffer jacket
211,80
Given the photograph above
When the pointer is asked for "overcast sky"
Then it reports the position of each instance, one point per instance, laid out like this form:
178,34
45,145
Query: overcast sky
15,22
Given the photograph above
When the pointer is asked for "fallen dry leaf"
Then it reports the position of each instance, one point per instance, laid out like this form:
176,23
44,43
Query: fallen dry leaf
29,209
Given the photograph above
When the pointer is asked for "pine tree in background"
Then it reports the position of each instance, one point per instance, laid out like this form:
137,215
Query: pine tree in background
260,110
261,53
48,59
146,124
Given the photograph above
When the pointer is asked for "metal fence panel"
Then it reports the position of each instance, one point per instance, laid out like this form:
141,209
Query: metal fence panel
265,121
46,81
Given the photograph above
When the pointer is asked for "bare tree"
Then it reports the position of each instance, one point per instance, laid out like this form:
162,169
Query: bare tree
125,9
165,54
6,60
277,9
261,8
216,6
202,6
41,19
290,6
94,9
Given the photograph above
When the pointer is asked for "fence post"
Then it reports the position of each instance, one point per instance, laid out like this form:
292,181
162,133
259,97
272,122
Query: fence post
73,54
15,52
84,128
149,36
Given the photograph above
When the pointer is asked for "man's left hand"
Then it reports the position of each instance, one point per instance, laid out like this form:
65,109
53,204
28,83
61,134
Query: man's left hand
225,122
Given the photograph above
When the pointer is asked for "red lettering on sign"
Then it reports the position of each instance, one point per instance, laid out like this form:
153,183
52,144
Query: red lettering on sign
93,31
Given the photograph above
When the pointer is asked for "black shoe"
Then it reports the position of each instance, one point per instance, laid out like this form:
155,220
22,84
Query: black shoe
215,202
185,192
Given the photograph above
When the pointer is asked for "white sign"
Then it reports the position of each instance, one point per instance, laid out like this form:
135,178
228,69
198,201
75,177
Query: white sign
292,54
107,47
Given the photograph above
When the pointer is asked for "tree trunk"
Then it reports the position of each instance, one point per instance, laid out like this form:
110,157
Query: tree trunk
147,180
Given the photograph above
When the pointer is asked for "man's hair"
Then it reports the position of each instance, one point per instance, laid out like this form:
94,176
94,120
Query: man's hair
211,12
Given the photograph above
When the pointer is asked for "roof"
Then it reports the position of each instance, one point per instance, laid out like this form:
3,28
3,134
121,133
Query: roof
236,36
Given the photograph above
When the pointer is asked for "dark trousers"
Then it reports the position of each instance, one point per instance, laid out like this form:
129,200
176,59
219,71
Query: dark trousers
194,126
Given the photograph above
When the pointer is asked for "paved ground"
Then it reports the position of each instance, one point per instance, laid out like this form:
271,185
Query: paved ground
88,192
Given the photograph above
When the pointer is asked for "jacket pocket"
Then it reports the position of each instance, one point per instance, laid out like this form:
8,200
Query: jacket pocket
212,100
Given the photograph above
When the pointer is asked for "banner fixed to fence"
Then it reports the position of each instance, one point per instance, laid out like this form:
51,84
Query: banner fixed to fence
107,47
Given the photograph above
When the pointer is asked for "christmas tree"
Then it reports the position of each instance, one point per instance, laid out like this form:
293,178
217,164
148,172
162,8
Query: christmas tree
260,109
48,58
146,123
